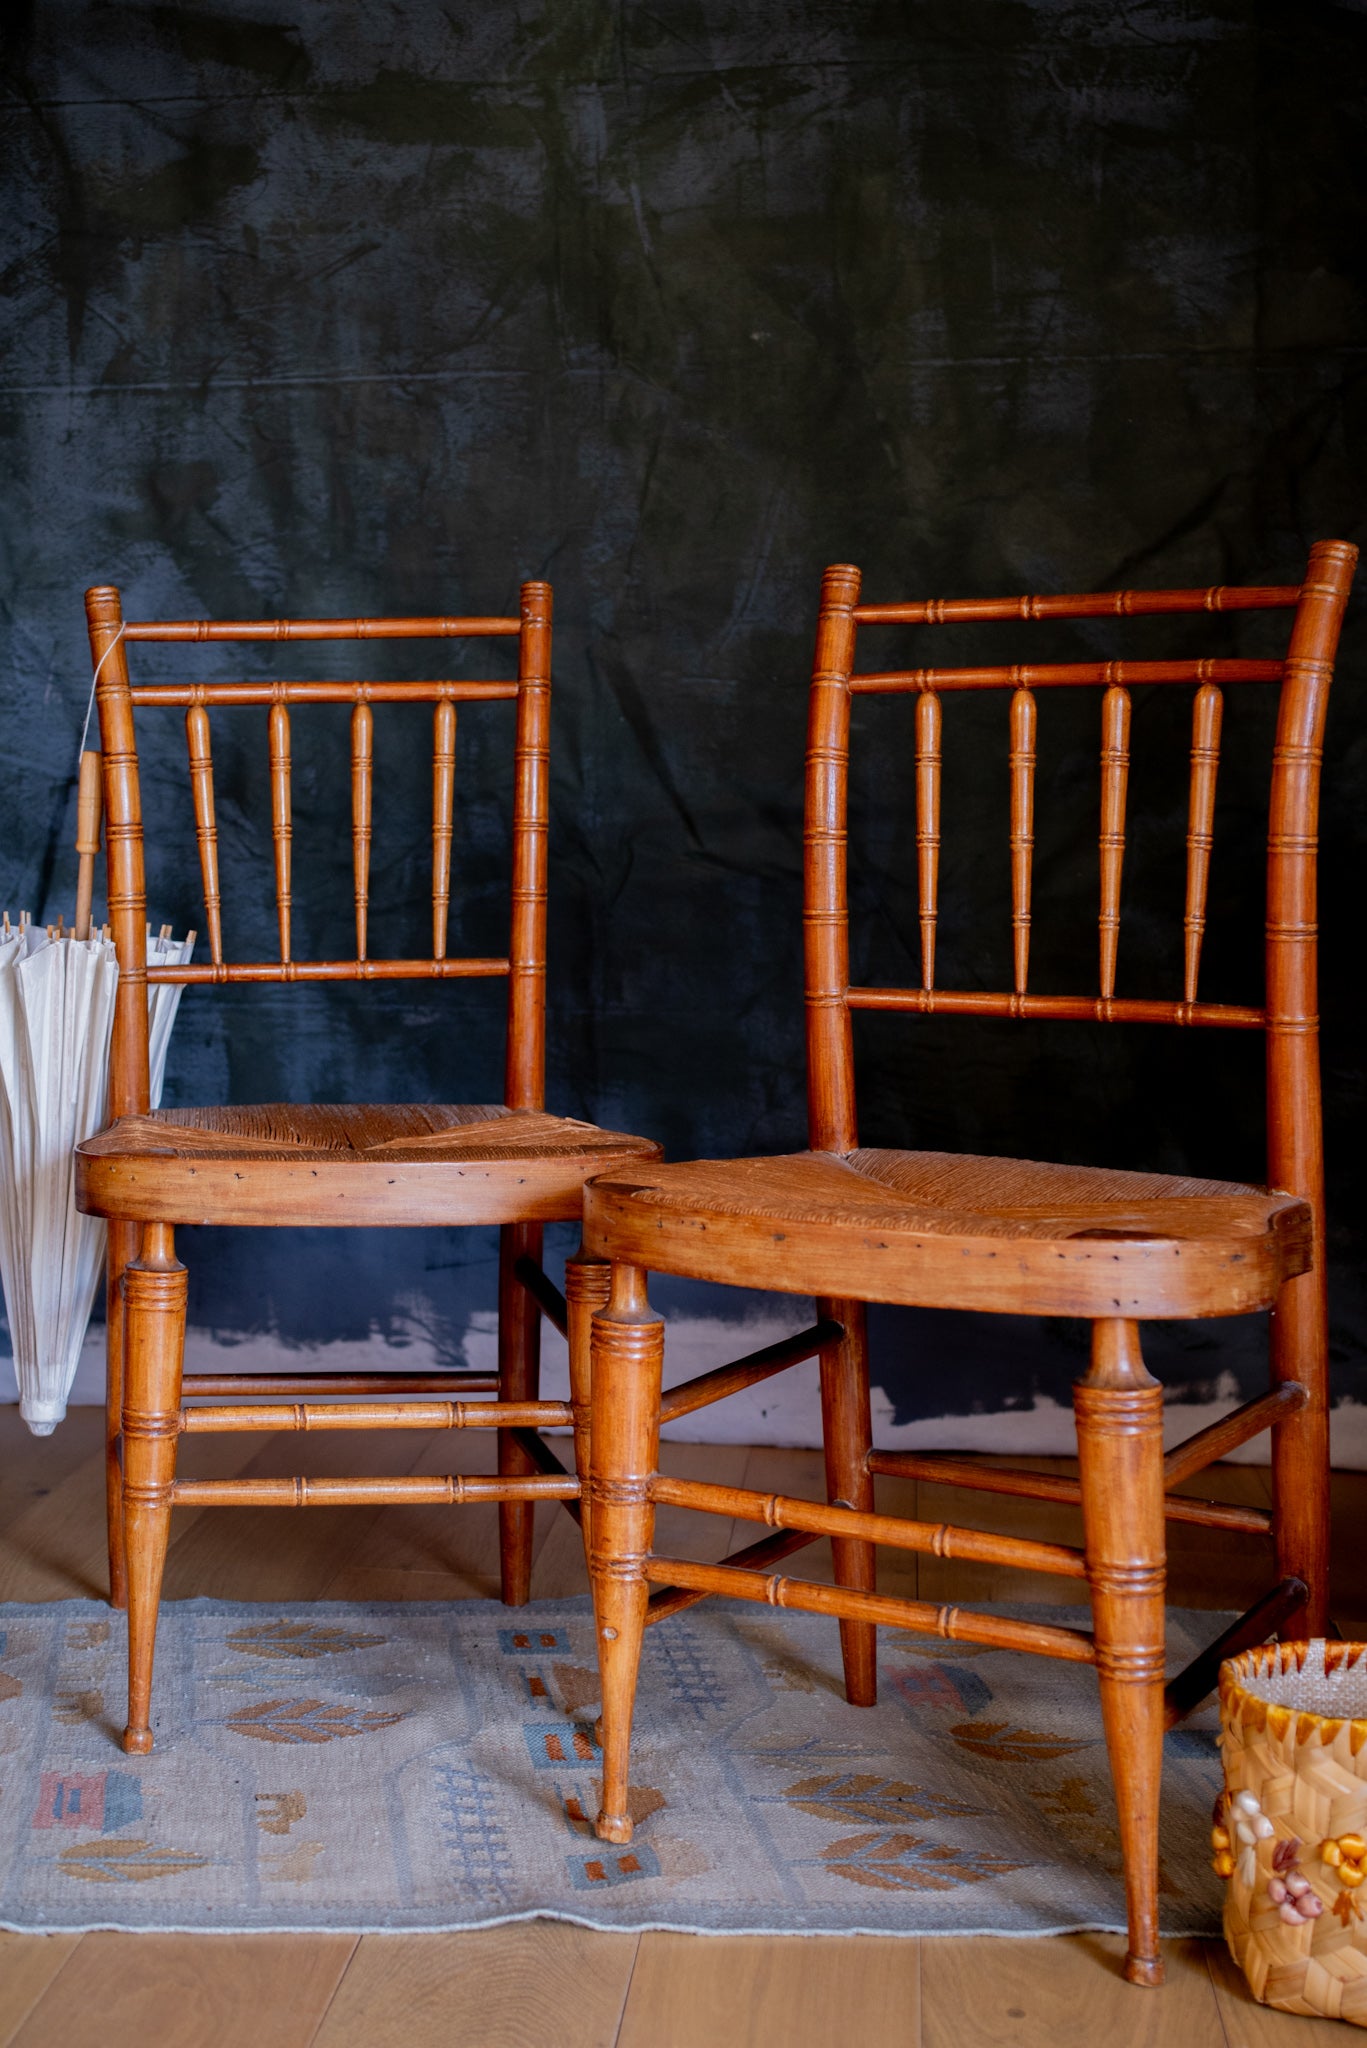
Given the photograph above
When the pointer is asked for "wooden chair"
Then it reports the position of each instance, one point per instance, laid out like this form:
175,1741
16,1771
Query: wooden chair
850,1225
507,1164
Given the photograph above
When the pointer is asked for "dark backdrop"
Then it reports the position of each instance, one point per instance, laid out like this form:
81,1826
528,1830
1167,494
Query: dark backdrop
326,308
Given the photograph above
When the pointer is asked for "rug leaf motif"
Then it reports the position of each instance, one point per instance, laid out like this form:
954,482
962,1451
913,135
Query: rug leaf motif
889,1860
126,1862
306,1721
1003,1744
941,1685
299,1639
864,1795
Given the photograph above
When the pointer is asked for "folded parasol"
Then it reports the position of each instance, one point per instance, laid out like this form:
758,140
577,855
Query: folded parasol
56,1016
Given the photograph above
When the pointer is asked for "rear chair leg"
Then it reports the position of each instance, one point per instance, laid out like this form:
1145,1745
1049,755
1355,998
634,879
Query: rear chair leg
588,1282
847,1433
154,1323
1300,1450
519,1376
1119,1413
123,1247
628,1363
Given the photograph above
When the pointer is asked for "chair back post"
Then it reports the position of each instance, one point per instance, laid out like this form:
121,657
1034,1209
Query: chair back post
831,1120
1295,1139
129,1076
1295,1153
525,1057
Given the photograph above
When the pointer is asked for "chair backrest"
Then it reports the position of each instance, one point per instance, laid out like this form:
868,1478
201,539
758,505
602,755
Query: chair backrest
1288,1011
118,700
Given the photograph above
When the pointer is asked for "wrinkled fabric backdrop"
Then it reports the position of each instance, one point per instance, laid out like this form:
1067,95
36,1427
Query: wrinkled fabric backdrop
317,308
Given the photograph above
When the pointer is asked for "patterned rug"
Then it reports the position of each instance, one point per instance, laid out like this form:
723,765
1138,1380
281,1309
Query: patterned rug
401,1766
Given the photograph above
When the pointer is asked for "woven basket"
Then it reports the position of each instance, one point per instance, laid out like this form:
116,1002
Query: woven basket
1290,1833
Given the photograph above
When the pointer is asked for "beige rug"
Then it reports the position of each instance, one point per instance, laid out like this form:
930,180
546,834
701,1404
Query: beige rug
404,1766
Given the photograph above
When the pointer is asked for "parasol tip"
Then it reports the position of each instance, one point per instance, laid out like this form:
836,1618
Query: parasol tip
42,1417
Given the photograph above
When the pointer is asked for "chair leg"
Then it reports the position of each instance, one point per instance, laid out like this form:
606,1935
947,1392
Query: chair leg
847,1434
154,1322
588,1282
123,1247
1119,1413
1300,1449
628,1362
519,1374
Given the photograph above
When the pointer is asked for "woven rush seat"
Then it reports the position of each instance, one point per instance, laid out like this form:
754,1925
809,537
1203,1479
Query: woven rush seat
437,1162
881,1224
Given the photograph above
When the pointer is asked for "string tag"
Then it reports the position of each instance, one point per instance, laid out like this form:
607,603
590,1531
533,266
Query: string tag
94,685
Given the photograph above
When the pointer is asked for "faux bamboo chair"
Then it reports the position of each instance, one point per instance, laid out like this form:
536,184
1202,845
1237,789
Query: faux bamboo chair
280,1163
849,1225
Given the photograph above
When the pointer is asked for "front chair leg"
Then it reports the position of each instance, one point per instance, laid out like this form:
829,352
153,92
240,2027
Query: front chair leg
588,1282
519,1379
628,1362
847,1434
123,1246
1119,1413
154,1342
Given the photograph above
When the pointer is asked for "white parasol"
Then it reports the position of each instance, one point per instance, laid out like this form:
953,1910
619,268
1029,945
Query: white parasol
56,1016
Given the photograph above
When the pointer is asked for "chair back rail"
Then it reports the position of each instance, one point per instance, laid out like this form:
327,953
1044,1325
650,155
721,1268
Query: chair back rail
118,699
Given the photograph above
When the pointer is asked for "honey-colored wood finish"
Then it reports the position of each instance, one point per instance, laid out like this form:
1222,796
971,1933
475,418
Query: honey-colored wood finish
505,1163
848,1225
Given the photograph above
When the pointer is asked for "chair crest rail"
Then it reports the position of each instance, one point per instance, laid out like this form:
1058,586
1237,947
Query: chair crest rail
1090,604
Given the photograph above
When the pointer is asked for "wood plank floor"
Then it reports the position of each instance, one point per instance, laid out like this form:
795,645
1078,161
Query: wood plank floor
541,1982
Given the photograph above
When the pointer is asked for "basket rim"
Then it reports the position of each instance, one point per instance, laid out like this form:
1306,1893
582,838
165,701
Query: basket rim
1240,1675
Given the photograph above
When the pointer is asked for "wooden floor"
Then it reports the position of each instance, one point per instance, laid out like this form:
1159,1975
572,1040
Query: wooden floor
544,1983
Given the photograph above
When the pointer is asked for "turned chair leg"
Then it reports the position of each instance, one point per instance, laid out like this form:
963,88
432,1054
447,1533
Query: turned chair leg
847,1434
123,1247
628,1363
1119,1413
519,1374
154,1324
1300,1450
588,1282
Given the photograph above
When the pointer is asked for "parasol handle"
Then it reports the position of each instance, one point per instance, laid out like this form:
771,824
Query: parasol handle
88,807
